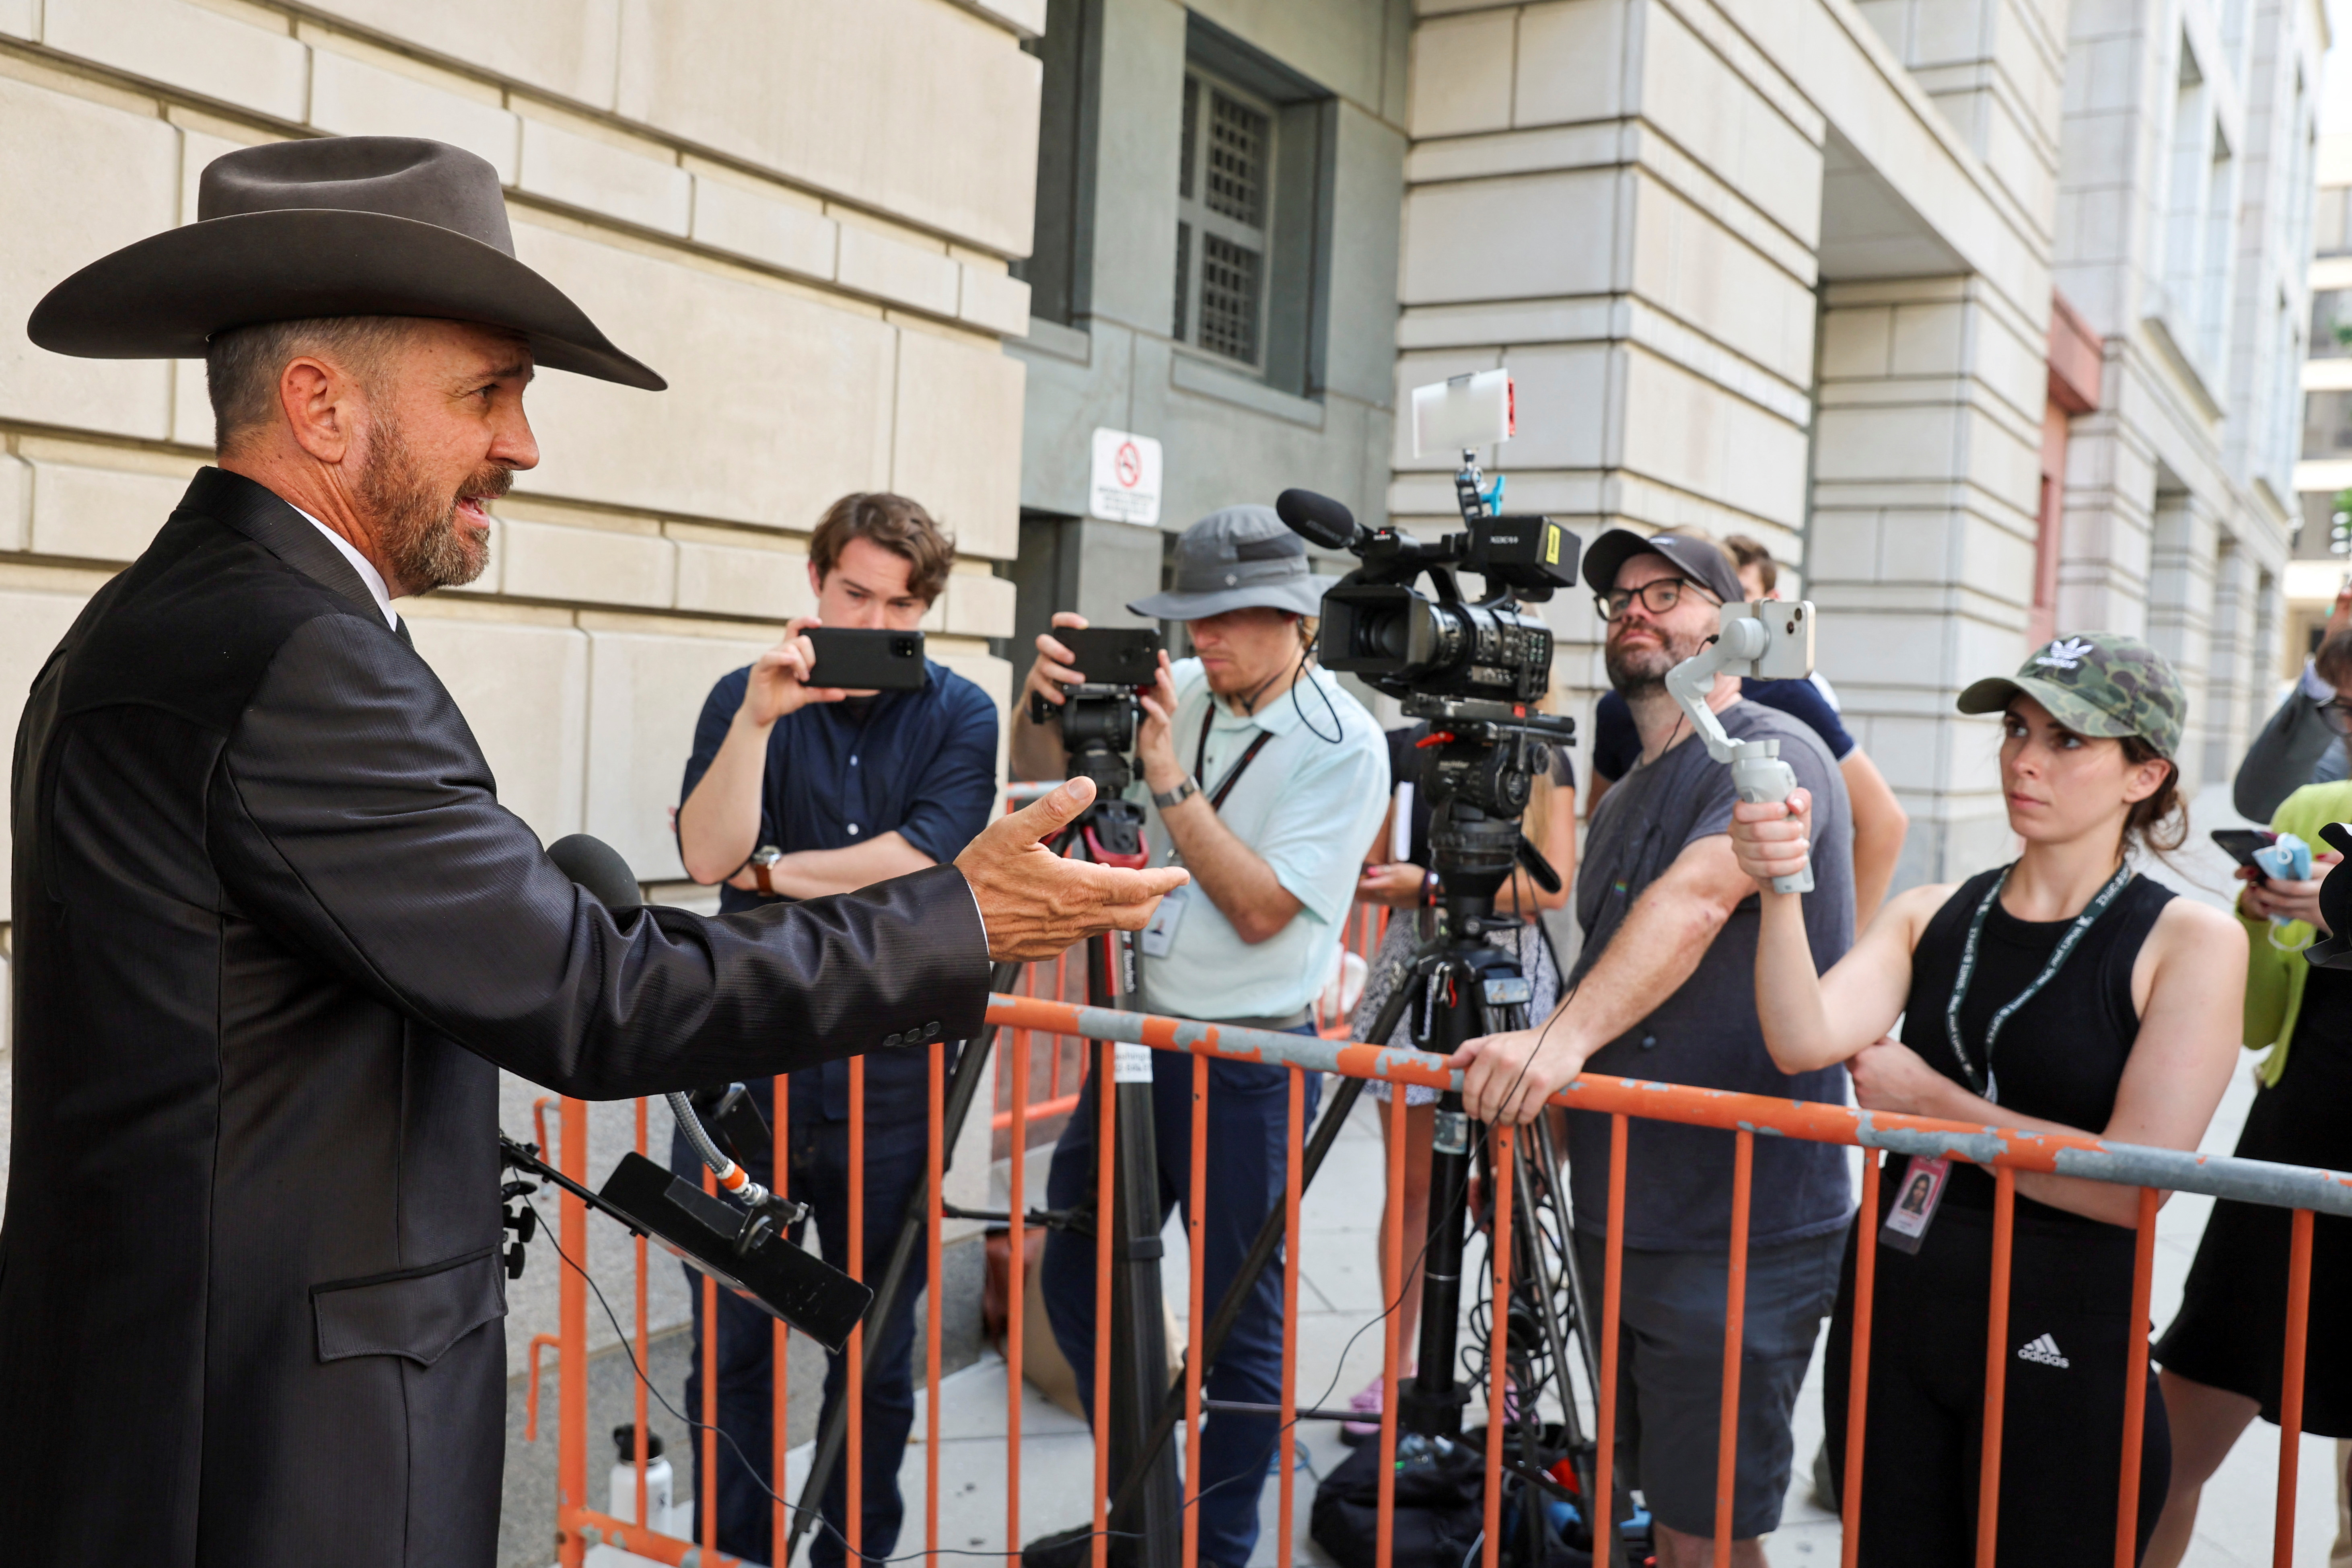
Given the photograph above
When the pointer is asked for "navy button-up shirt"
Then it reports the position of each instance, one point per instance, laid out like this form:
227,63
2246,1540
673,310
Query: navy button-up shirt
919,764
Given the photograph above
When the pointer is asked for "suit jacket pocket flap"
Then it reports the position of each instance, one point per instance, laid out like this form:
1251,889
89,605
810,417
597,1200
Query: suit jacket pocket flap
415,1312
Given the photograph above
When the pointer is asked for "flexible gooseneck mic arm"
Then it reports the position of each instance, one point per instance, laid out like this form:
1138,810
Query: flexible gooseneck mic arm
1758,773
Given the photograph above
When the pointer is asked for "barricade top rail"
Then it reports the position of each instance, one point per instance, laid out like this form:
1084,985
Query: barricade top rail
2094,1159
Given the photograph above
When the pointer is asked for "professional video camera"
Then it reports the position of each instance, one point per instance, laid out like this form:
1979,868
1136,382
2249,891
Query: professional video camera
1472,669
1097,719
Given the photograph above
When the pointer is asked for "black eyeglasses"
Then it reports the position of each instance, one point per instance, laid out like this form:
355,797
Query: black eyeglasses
1658,596
2337,714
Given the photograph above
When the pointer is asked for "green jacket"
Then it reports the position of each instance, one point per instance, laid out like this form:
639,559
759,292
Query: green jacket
2276,970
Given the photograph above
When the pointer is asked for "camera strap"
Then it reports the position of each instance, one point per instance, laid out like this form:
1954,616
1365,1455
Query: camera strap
1234,774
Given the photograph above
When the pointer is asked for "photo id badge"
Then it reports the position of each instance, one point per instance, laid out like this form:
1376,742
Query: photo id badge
1160,935
1915,1203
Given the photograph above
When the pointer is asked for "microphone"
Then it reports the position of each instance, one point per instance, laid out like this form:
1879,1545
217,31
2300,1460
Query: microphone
1319,518
598,868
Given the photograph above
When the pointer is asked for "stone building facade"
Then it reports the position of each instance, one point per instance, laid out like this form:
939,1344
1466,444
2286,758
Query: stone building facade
2323,478
1986,312
801,211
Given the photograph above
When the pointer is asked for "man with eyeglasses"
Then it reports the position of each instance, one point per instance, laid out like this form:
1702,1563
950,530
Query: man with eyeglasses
1664,990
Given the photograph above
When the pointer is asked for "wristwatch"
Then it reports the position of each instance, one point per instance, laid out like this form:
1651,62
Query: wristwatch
1185,790
762,859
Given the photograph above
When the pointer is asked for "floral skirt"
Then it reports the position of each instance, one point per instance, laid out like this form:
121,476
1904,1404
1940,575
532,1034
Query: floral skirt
1405,933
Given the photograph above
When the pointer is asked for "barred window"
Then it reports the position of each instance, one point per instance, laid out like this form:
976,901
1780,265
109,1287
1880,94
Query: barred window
1224,207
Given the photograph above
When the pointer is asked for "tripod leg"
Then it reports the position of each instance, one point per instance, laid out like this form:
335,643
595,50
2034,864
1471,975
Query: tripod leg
962,1090
1261,1253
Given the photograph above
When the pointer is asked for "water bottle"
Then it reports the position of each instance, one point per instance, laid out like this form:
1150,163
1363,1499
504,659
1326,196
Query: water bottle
625,1478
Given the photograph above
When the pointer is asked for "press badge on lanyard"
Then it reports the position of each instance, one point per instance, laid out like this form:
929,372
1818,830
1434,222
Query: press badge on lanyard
1924,1178
1158,936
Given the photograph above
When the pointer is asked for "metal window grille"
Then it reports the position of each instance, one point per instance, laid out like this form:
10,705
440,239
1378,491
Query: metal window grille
1225,196
1230,288
1238,141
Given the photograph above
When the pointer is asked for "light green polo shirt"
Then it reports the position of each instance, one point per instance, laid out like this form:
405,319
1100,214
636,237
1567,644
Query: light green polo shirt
1308,806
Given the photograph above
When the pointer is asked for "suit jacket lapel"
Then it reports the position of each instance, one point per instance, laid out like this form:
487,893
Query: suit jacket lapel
257,513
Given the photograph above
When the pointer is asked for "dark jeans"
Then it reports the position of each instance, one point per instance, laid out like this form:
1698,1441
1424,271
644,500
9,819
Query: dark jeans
1248,1109
820,1178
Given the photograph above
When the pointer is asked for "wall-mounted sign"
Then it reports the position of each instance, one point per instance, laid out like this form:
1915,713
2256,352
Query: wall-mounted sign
1125,486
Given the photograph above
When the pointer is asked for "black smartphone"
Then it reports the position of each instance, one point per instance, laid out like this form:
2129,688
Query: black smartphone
2241,843
857,659
1113,656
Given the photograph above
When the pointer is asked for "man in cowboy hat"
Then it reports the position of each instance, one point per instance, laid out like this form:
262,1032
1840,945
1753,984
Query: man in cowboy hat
274,929
1266,781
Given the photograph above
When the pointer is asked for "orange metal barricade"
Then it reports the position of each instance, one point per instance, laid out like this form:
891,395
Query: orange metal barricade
1026,1019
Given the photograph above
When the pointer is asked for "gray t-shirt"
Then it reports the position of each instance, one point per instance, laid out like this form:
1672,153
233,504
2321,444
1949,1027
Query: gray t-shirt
1678,1177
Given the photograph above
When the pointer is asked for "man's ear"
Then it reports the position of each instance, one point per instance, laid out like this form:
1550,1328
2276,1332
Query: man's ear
816,579
320,405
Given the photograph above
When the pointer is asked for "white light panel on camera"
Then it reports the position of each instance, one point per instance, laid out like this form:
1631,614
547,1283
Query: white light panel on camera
1463,411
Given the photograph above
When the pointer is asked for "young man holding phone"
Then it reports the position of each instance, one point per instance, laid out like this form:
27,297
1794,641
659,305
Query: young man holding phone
796,791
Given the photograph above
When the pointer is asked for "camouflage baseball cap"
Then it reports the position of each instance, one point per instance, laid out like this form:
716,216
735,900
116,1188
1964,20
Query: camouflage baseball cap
2095,683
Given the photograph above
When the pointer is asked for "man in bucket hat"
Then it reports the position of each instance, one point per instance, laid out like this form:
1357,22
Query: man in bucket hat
1267,782
274,929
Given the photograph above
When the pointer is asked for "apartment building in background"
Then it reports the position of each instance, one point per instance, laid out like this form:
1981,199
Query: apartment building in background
2323,480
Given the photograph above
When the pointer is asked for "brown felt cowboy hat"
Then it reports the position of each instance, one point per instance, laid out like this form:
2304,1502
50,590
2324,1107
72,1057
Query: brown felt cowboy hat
345,226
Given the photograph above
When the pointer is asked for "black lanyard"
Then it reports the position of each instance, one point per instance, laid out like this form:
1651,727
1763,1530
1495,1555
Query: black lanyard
2066,944
1232,777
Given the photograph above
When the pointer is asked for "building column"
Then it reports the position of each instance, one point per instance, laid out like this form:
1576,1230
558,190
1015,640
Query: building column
2183,544
1926,480
2235,675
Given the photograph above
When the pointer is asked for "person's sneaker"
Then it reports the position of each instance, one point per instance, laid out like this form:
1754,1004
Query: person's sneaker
1367,1406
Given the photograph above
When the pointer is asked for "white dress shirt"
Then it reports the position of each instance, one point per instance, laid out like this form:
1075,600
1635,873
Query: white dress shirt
361,564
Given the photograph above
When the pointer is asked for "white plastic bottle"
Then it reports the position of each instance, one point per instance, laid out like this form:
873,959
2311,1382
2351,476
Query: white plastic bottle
625,1478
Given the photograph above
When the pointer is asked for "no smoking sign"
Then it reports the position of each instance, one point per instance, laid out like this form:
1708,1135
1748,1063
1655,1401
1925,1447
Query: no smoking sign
1125,484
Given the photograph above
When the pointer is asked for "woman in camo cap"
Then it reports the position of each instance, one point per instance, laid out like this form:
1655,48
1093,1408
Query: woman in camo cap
2061,992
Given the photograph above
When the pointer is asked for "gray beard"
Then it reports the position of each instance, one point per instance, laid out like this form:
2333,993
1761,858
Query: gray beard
418,527
1632,674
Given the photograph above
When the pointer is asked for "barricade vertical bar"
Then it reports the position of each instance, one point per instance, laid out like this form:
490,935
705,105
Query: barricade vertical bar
1498,1357
1196,1236
2299,1325
572,1361
1857,1397
1293,1144
1016,1284
853,1500
2136,1386
1735,1324
935,1178
710,1511
780,1361
645,1350
2004,1228
1106,1260
1392,1242
1612,1279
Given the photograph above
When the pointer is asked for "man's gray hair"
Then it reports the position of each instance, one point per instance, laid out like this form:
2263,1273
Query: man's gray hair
242,365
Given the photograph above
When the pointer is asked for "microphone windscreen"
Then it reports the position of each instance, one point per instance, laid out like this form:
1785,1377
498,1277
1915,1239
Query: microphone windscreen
1317,518
598,867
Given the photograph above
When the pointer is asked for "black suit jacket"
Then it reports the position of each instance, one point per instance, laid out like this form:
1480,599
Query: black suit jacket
273,930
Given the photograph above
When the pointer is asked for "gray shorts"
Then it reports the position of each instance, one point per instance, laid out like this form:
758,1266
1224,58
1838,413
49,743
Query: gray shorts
1670,1374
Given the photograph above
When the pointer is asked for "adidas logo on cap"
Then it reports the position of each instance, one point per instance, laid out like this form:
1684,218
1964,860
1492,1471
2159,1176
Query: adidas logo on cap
2043,1350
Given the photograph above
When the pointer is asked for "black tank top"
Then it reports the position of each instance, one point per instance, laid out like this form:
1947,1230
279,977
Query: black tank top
2060,1057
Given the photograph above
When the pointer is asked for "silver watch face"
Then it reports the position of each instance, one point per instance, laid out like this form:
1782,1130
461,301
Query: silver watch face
766,855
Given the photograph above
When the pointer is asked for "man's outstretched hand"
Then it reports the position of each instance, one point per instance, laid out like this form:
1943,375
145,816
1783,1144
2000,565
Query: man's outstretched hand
1035,902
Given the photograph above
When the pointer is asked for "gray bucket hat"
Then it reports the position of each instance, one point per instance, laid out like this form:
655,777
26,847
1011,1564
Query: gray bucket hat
1239,558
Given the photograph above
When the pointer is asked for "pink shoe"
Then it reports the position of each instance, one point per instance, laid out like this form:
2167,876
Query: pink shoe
1367,1404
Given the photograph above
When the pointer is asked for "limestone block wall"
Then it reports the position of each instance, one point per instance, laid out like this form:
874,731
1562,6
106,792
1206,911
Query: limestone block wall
1773,268
801,211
